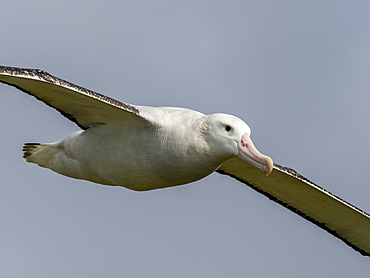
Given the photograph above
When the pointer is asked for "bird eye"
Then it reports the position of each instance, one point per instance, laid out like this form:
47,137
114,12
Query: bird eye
227,128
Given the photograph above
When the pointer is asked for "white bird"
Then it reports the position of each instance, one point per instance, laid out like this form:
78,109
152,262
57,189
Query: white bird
146,148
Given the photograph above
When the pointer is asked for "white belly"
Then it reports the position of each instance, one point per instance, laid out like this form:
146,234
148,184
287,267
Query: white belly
113,157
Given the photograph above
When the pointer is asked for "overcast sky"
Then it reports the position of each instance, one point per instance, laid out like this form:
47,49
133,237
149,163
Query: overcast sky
298,72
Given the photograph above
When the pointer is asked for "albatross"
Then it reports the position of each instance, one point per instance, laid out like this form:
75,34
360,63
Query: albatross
146,148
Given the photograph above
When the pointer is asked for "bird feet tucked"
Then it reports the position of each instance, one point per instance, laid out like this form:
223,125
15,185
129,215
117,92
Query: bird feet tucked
30,148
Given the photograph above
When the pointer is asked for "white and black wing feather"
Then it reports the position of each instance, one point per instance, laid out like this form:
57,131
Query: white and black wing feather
82,106
303,197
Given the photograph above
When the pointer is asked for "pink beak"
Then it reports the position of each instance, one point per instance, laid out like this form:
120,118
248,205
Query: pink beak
249,153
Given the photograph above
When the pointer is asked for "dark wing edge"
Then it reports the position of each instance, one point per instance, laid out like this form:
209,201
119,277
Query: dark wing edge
301,196
41,75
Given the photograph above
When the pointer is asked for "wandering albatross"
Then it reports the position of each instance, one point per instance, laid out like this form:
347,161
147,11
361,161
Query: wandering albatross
145,148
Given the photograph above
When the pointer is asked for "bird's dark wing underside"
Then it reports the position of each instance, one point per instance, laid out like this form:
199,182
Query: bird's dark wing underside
82,106
293,191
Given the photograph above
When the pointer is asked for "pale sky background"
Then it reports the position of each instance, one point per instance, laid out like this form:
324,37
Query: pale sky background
298,72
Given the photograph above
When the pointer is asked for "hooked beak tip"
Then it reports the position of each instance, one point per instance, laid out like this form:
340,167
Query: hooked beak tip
269,164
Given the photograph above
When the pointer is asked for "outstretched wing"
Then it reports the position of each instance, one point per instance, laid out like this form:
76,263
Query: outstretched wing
293,191
82,106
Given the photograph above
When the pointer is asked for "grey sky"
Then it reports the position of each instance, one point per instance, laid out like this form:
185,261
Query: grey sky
296,71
